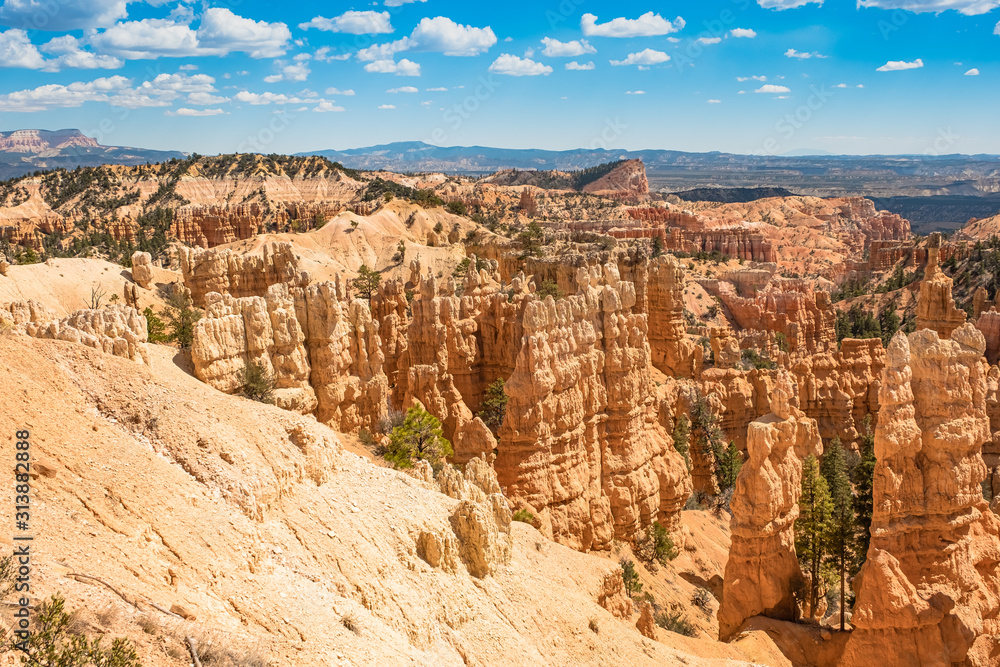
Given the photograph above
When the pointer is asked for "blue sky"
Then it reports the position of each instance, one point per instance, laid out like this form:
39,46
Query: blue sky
745,76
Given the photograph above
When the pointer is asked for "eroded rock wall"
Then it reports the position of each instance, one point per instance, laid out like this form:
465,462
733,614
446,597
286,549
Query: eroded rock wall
929,592
581,444
225,272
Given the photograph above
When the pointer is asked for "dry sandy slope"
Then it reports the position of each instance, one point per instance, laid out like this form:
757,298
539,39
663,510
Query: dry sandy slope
64,285
178,494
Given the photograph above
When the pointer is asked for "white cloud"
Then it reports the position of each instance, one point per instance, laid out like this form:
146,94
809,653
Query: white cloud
841,85
404,89
387,106
743,32
221,32
803,55
353,23
16,50
556,49
441,34
63,15
972,72
996,29
647,25
644,57
574,65
771,88
786,4
196,112
708,40
714,101
439,89
205,99
295,72
756,77
326,55
898,65
224,31
188,68
402,68
967,7
398,3
514,66
635,92
262,99
68,96
325,106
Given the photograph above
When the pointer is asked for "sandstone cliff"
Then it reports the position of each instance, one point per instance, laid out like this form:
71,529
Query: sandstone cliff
929,592
762,572
225,272
581,445
935,307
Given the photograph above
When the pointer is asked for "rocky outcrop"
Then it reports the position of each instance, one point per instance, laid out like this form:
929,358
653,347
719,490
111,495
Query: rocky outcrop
790,308
321,347
116,329
672,351
629,178
988,324
935,307
929,592
142,269
725,348
224,272
4,267
646,625
581,444
737,397
483,531
762,572
613,596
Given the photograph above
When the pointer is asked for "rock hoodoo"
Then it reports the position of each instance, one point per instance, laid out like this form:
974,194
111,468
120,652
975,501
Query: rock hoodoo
935,307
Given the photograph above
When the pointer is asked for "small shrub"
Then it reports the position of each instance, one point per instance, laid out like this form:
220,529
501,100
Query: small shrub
53,644
702,599
256,382
148,624
675,621
419,437
438,228
593,626
524,516
180,316
350,621
367,441
494,406
549,288
631,577
656,546
156,330
458,208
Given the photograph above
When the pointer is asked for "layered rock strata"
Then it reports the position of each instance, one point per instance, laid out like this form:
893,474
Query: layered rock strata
929,592
115,329
321,348
762,573
581,444
225,272
935,307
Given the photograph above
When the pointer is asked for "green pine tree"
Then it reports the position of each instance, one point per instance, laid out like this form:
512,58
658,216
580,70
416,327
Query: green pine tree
729,466
494,406
812,528
155,328
180,316
418,438
367,282
864,481
682,438
843,534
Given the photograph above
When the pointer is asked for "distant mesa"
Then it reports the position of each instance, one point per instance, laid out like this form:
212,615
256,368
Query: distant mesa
25,151
732,195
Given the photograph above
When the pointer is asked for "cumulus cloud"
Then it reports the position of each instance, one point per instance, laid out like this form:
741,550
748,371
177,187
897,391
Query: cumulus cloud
644,57
512,65
898,65
635,92
338,91
404,89
68,96
714,101
772,89
708,40
325,106
556,49
221,32
803,55
63,15
996,29
387,106
352,23
439,89
16,50
967,7
972,72
757,77
195,112
296,72
402,68
743,32
440,35
574,65
786,4
647,25
263,99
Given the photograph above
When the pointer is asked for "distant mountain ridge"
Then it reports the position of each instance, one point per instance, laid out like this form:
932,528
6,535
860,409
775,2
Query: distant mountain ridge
26,151
668,170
